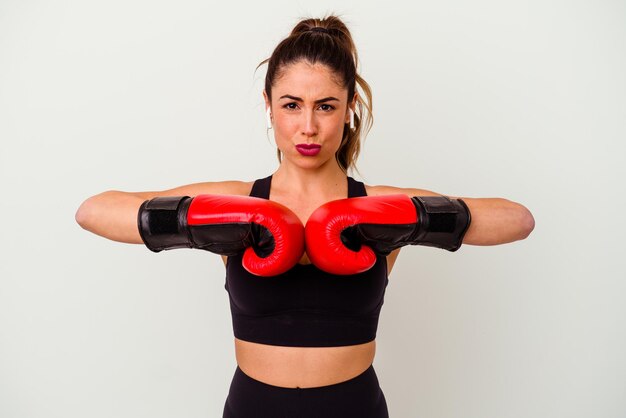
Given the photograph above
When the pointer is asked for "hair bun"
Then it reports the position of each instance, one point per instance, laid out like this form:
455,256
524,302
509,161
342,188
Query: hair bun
319,29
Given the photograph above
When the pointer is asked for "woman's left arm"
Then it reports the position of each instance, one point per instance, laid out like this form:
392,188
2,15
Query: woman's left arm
496,221
493,220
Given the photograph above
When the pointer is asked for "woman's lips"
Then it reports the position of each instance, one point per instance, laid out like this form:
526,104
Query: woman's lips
308,149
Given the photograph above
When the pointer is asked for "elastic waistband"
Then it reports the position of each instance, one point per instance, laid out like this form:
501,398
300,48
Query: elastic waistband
369,375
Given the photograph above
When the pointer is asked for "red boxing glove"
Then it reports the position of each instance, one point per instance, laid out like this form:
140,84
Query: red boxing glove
344,236
271,235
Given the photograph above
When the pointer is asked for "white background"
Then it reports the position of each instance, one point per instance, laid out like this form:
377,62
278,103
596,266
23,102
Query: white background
521,100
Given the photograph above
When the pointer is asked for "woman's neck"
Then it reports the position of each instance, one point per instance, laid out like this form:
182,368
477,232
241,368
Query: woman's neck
324,181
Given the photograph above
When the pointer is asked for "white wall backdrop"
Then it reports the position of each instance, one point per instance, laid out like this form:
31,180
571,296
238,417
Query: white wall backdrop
522,100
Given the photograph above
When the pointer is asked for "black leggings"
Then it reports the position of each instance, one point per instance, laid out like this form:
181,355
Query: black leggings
359,397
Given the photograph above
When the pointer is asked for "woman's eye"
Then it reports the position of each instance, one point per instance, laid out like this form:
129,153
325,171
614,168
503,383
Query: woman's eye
324,107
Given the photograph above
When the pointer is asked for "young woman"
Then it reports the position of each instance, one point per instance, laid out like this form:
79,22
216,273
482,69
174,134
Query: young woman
305,334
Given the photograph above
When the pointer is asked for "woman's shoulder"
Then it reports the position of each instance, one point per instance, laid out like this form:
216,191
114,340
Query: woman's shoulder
380,190
236,187
233,187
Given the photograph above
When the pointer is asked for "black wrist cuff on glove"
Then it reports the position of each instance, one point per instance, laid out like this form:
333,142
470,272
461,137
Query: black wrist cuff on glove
442,222
162,223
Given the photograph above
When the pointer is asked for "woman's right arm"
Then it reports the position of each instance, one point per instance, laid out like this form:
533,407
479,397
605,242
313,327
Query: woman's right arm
113,214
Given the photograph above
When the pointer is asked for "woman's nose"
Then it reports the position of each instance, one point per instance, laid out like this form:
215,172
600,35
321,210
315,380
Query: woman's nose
309,124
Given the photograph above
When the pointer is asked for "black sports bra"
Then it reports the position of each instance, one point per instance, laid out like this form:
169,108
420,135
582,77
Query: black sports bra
305,307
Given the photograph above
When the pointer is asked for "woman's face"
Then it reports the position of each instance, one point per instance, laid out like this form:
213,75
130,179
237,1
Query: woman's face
309,111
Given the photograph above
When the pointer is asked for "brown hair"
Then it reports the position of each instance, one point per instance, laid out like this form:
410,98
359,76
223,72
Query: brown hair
332,46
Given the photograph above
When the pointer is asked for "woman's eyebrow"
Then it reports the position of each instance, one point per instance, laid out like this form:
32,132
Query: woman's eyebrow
298,99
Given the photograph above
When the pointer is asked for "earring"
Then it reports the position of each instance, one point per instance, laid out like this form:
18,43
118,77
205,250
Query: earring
351,119
268,116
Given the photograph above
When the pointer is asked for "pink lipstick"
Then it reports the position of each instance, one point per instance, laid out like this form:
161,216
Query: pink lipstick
308,150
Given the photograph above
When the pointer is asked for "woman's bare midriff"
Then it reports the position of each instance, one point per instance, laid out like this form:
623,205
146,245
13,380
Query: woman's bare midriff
303,367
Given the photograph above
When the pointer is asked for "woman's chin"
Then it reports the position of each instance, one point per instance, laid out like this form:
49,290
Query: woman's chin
311,163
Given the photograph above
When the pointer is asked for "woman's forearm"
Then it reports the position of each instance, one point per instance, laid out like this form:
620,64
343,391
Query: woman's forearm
113,215
497,221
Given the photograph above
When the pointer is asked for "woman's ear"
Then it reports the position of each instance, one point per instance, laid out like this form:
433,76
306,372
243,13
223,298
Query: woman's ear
352,104
268,112
351,109
267,100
